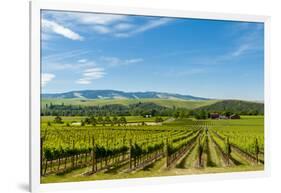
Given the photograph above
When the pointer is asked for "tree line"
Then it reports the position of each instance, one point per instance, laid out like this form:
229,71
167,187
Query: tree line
138,109
91,120
143,109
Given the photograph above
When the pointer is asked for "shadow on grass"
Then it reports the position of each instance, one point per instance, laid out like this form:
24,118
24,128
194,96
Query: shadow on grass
115,169
150,166
235,161
182,163
211,164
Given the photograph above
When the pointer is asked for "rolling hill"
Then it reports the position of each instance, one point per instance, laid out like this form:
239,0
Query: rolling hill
170,103
120,99
114,94
236,106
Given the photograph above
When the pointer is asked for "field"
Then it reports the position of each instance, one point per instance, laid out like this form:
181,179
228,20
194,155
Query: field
176,147
130,119
170,103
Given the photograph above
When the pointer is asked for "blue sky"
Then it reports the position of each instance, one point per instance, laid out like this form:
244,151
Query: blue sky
207,58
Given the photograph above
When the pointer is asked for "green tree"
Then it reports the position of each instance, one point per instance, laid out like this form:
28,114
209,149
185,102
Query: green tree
158,119
114,120
201,114
100,120
182,114
58,119
87,121
123,120
176,114
93,121
107,120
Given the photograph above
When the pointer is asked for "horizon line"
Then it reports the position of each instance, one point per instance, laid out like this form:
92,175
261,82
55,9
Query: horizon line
208,98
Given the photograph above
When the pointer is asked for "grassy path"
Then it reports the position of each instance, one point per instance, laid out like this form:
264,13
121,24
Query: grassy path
182,162
190,161
213,157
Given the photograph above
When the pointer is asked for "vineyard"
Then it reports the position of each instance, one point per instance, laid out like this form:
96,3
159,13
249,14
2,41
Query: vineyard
178,146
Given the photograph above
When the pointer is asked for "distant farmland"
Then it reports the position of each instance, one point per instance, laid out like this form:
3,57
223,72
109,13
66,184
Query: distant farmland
170,103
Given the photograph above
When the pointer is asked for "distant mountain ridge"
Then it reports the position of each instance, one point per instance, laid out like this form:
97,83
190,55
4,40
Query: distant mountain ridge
114,94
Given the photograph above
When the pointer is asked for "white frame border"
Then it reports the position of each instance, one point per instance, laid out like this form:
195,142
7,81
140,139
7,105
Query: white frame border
35,90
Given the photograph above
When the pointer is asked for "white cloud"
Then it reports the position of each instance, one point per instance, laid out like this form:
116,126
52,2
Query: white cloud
53,27
123,26
82,60
107,24
101,29
114,61
91,74
102,19
94,73
46,78
86,18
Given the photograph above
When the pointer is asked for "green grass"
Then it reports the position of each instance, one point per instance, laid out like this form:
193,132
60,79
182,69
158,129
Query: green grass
156,170
255,121
170,103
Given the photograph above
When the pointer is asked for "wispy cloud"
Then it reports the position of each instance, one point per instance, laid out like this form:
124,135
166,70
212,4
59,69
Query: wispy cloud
114,61
237,27
71,66
70,60
249,38
53,27
82,60
133,61
249,42
91,74
105,24
46,78
61,57
241,50
101,29
83,81
86,18
151,24
124,26
235,53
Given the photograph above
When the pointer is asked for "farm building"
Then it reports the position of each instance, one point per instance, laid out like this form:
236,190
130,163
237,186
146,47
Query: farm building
234,116
214,115
219,116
